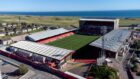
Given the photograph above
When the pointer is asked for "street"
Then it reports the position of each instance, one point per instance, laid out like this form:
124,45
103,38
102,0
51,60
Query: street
41,74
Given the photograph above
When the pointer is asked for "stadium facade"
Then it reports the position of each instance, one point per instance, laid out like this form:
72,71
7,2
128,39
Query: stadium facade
93,26
116,43
49,35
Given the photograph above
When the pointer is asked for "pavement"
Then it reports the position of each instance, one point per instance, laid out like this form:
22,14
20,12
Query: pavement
71,65
37,72
81,70
19,37
6,69
77,68
119,67
122,65
28,75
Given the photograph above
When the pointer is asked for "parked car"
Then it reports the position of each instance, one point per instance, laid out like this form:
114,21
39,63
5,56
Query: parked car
138,58
108,60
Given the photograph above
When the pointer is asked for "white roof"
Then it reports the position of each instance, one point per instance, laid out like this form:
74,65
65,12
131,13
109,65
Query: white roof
45,34
113,40
89,19
45,50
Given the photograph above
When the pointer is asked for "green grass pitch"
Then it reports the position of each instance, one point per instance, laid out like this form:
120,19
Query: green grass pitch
74,42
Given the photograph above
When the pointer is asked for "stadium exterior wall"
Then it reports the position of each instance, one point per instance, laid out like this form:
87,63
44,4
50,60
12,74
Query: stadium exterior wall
54,38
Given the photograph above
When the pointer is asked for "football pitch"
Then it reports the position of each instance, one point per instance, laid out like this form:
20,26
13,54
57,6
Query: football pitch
74,42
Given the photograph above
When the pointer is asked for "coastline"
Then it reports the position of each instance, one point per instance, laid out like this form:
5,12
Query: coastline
95,14
62,21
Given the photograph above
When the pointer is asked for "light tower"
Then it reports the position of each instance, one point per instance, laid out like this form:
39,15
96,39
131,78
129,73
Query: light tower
102,56
19,18
103,31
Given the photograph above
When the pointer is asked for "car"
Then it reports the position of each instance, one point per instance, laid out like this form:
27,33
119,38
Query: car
108,60
4,76
138,58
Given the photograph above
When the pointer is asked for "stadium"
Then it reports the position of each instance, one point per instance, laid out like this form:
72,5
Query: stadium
62,38
54,48
56,53
81,44
76,40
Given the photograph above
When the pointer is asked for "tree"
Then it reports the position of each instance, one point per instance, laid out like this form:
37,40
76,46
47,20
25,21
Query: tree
26,27
1,25
6,30
103,72
32,26
23,27
15,30
36,26
22,70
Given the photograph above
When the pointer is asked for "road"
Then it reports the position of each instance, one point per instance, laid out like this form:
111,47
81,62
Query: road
38,73
122,66
125,63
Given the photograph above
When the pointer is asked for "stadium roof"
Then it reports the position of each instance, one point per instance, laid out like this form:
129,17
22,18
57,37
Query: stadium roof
113,40
46,34
98,19
45,50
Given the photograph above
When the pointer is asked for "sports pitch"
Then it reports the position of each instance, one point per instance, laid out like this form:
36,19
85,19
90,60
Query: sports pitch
74,42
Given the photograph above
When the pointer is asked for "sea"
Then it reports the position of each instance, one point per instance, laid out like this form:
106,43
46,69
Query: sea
108,14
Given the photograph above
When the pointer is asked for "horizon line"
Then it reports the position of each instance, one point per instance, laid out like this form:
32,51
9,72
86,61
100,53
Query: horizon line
75,11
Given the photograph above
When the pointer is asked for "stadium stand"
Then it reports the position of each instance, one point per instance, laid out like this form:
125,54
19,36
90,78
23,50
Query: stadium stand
116,41
93,26
53,56
49,35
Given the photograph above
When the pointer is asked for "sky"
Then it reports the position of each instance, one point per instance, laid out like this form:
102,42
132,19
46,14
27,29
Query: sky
67,5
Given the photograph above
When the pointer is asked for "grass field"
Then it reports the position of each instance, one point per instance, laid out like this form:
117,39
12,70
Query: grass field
49,20
74,42
58,20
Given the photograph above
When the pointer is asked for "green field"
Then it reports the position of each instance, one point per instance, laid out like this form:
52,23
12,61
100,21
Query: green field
74,42
49,20
58,20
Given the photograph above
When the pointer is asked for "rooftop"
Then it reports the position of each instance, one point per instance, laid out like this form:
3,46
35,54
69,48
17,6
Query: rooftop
45,34
98,19
113,40
45,50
